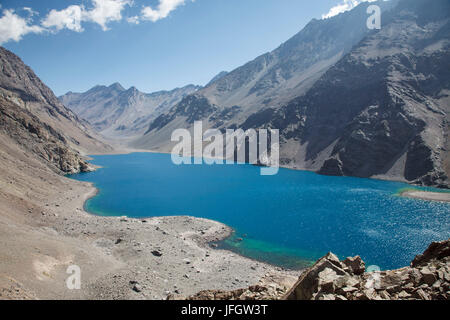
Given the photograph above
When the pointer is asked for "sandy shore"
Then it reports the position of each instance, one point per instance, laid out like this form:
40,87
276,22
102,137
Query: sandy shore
424,195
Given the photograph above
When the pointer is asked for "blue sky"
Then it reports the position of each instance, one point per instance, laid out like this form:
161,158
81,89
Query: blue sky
151,44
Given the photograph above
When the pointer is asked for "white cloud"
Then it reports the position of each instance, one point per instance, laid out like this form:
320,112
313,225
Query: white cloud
14,27
133,20
162,11
69,18
30,11
102,12
106,11
344,5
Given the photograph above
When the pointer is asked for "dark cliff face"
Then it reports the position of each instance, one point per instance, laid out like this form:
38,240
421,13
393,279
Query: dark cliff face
193,107
34,118
383,106
38,138
276,77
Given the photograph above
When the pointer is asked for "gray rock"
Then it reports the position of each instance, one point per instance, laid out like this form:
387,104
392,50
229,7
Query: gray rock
428,277
157,253
356,265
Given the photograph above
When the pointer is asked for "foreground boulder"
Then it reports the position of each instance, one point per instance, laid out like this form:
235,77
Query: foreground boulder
428,278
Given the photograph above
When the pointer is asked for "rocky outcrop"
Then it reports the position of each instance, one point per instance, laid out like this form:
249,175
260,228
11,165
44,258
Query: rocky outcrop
428,278
38,138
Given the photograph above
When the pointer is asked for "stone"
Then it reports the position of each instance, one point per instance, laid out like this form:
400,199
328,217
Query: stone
356,265
415,276
428,276
349,289
326,280
447,276
437,285
422,295
369,294
137,287
404,295
327,297
156,253
308,282
436,250
384,295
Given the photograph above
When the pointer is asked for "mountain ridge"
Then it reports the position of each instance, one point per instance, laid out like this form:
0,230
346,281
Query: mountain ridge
386,116
380,111
116,112
272,79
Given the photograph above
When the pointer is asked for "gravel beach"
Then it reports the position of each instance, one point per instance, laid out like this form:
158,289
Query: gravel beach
44,230
424,195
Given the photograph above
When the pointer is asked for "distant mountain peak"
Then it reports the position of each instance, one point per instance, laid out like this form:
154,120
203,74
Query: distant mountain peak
117,86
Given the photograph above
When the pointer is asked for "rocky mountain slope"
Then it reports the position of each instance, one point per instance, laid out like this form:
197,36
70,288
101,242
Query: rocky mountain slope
119,113
33,118
270,80
381,110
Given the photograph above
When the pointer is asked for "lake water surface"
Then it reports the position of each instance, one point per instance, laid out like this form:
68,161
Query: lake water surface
290,219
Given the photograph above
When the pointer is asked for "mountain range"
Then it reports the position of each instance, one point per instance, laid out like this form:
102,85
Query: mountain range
119,113
347,100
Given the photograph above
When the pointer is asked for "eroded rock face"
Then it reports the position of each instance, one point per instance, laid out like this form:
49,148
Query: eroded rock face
39,138
428,278
32,116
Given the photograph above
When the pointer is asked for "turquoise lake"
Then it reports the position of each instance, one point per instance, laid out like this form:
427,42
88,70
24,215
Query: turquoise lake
290,219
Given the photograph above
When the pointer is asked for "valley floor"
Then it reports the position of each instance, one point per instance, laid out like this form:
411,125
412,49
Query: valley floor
44,230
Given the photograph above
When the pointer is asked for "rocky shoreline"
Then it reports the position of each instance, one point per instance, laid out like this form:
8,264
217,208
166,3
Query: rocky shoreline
427,278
